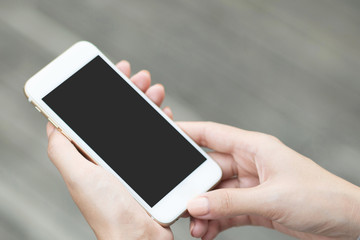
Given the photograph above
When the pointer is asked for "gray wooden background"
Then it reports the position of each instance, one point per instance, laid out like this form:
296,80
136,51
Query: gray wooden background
285,67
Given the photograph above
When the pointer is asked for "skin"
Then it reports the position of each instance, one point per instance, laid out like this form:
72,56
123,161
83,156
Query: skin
264,183
106,205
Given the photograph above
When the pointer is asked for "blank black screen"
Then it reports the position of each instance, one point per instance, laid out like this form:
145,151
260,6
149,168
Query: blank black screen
124,130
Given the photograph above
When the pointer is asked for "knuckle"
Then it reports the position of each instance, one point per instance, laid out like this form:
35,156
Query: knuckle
272,138
227,202
207,130
268,139
210,125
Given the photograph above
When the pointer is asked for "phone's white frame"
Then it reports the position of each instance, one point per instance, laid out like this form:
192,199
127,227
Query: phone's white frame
169,208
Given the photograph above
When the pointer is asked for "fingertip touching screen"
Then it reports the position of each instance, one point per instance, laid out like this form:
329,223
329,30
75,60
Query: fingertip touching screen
124,130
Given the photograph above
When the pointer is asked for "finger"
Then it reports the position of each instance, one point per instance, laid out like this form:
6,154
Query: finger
239,182
156,93
168,112
198,227
228,202
226,163
230,183
214,227
212,231
215,136
244,220
217,226
124,67
142,80
64,155
49,128
223,138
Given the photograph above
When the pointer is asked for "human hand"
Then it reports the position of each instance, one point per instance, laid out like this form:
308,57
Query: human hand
265,183
106,205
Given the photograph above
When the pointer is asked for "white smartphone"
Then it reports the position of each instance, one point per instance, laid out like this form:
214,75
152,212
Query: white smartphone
110,120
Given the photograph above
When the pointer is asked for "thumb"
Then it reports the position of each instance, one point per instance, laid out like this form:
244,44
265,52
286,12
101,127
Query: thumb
64,155
228,202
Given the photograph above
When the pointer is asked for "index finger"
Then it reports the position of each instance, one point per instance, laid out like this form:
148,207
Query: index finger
221,138
124,67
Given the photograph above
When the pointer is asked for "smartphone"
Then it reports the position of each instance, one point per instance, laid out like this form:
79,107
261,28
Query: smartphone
114,124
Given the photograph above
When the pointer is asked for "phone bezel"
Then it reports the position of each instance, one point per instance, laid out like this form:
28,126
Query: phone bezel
169,208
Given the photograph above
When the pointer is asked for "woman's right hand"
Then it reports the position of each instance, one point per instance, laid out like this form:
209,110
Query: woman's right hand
266,183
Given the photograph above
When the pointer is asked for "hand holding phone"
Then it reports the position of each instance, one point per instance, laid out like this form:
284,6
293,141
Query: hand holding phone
105,203
118,127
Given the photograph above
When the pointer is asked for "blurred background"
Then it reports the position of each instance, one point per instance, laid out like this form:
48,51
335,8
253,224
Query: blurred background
285,67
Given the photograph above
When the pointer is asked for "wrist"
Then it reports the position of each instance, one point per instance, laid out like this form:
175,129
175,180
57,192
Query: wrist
356,213
120,232
130,232
342,205
121,235
353,215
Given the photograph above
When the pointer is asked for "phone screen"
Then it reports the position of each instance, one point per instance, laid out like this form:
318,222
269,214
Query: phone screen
124,130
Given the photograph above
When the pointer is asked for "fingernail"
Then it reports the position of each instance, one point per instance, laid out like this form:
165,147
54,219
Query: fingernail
199,206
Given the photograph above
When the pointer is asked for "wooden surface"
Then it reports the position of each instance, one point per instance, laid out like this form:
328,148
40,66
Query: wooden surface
285,67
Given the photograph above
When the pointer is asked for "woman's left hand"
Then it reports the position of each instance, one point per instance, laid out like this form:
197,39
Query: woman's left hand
105,203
